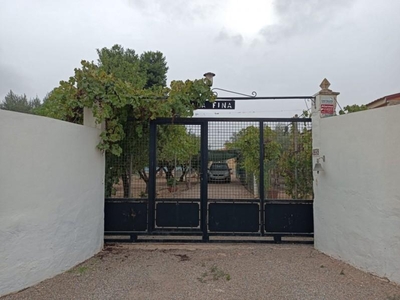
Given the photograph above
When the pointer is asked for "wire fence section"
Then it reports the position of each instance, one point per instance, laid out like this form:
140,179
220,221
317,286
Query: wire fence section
246,160
287,160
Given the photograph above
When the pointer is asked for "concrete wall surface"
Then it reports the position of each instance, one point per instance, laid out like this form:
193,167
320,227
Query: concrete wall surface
357,196
51,198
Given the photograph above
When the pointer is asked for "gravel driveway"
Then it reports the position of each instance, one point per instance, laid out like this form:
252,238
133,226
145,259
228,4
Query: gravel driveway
212,271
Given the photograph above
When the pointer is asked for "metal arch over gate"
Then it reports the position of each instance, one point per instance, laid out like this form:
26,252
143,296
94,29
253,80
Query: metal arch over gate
210,177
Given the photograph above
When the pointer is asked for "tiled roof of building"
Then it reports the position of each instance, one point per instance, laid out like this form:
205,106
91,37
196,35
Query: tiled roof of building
384,100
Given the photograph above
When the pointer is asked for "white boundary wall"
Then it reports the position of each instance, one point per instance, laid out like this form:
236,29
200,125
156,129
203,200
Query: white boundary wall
51,198
357,196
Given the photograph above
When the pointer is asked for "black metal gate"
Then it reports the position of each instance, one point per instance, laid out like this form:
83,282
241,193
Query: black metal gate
211,177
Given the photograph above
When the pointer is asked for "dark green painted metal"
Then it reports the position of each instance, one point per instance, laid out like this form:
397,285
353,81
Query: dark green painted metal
221,217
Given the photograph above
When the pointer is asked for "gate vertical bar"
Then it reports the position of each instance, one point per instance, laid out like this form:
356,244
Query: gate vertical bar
203,178
152,176
261,191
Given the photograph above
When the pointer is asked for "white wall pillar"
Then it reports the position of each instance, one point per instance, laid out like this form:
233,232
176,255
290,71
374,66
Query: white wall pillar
90,120
323,106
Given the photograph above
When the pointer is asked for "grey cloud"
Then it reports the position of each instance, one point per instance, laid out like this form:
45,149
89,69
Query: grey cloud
10,79
303,17
223,35
178,10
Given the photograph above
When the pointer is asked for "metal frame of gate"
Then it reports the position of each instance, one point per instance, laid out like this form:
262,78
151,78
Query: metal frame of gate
205,217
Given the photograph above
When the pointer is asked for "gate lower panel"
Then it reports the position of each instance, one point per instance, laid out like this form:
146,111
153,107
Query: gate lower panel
125,216
234,217
177,214
289,217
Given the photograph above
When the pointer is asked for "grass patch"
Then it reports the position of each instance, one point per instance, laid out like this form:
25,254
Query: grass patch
79,270
214,274
82,270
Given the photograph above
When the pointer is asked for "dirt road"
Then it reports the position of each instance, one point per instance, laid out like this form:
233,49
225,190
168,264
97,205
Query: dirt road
212,271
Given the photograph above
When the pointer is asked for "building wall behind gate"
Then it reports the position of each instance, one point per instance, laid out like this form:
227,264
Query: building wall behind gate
357,196
51,198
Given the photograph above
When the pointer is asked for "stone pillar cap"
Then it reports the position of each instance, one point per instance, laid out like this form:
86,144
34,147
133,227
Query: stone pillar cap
325,84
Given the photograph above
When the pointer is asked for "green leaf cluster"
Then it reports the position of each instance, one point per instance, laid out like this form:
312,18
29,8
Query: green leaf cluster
295,165
247,142
287,155
124,86
352,108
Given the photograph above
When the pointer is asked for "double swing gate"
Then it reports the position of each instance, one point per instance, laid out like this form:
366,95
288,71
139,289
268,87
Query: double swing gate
209,177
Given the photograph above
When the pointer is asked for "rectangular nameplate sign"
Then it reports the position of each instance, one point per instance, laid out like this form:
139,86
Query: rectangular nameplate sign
229,104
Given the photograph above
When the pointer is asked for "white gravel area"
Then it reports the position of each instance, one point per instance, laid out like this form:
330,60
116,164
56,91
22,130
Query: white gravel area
212,271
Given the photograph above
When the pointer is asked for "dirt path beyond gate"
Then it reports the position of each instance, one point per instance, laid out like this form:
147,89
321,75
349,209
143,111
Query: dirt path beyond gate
212,271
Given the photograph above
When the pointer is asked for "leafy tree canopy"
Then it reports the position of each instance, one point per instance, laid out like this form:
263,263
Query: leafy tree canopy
126,91
20,103
121,86
154,67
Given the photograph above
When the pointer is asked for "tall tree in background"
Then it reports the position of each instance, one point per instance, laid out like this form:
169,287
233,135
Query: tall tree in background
154,67
20,103
123,64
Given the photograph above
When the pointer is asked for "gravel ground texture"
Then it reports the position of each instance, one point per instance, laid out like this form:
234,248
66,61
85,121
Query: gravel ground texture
211,271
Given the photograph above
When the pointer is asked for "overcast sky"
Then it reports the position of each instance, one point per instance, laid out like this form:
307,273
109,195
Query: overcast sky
273,47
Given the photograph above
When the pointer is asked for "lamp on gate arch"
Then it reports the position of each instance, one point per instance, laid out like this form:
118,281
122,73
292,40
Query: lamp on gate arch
318,166
209,76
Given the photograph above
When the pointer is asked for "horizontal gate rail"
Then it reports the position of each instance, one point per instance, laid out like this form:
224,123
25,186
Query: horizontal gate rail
201,120
268,98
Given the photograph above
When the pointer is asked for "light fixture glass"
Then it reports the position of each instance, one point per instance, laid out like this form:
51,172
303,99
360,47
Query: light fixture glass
209,76
318,166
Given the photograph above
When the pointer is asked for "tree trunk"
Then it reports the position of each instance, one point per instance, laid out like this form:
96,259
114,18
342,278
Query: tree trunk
168,172
145,178
184,171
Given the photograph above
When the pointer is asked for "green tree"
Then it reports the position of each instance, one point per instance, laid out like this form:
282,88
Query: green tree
352,108
20,103
154,67
115,90
176,147
123,64
295,164
49,109
126,66
287,155
247,143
